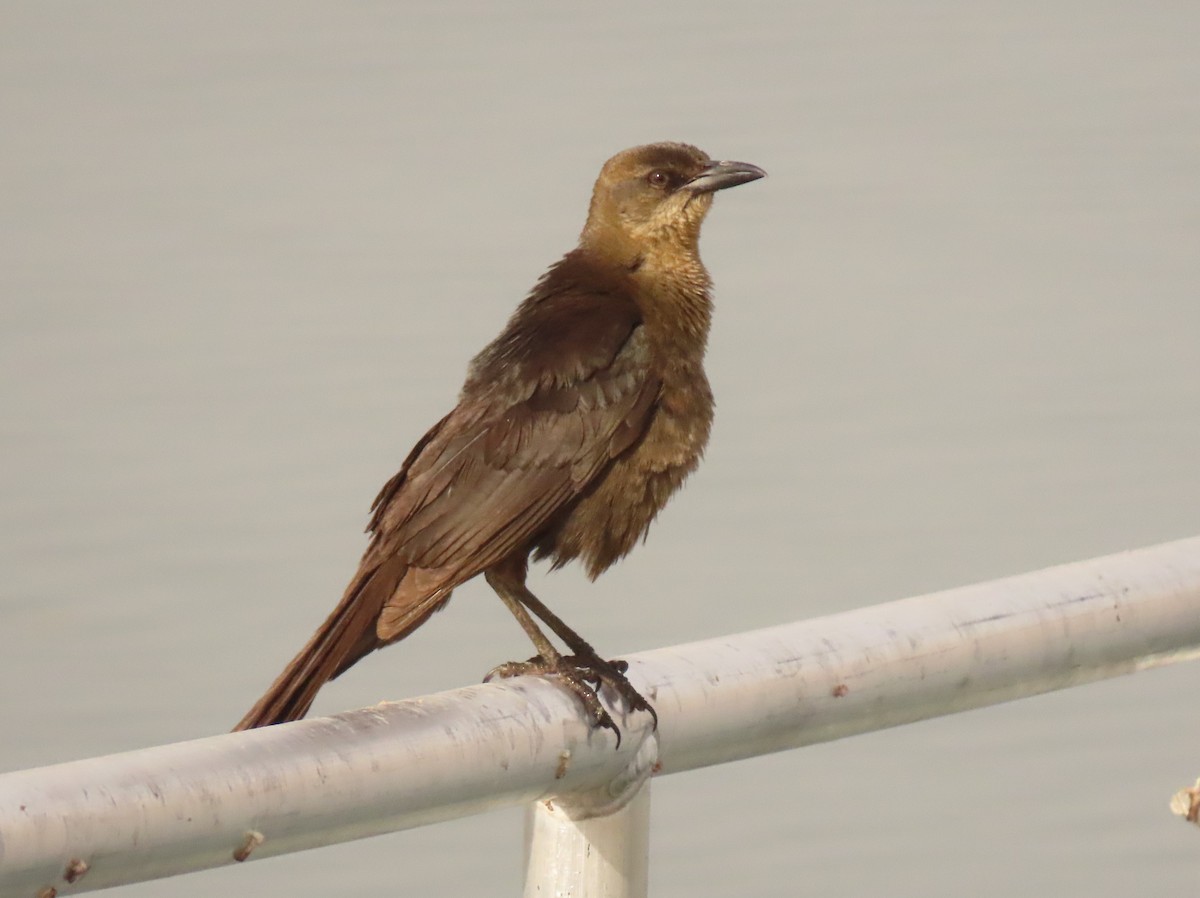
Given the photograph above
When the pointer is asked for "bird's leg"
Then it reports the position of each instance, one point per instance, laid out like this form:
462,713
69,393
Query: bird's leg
550,659
509,586
611,672
585,663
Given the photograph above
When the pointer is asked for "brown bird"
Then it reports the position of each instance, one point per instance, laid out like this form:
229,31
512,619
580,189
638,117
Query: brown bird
573,429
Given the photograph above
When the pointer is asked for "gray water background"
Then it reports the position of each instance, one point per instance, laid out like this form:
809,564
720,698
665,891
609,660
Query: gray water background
247,250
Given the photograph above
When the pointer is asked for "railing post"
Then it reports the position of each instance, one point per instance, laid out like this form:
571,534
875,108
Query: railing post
594,857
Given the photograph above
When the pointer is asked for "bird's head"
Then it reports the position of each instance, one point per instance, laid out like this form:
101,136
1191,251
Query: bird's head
652,199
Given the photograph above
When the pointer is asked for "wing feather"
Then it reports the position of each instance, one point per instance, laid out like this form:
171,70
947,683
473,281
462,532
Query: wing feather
493,474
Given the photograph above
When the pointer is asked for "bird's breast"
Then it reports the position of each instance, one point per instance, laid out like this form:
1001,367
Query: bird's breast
615,513
679,429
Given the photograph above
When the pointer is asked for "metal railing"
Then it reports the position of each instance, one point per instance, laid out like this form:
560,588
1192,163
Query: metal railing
161,811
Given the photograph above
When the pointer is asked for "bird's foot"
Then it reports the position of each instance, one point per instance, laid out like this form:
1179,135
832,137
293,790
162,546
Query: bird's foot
613,673
584,676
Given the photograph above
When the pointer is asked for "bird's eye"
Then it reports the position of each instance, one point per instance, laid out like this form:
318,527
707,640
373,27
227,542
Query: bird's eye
659,179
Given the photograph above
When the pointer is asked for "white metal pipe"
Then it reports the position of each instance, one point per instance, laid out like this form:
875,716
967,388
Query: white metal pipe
194,805
140,815
817,680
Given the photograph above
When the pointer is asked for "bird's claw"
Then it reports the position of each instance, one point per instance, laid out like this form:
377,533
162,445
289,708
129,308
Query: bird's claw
600,671
584,676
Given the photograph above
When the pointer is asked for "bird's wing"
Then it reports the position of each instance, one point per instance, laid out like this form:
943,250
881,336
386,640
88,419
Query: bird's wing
548,405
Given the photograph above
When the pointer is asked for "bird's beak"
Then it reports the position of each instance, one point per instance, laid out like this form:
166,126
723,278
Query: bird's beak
720,175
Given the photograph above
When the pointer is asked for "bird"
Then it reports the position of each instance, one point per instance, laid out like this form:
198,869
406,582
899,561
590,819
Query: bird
572,430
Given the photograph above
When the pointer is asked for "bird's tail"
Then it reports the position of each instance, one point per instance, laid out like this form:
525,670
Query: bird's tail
347,635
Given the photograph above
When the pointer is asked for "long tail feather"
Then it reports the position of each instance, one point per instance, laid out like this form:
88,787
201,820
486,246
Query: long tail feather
346,636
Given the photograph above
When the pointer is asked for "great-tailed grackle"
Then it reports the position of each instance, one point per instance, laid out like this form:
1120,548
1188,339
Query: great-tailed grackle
573,429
